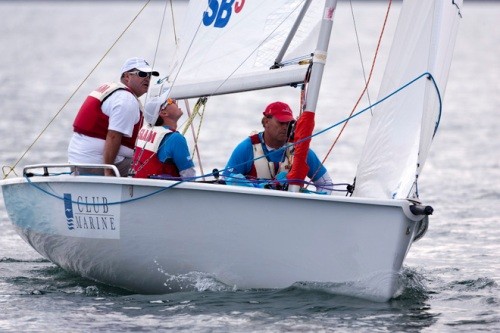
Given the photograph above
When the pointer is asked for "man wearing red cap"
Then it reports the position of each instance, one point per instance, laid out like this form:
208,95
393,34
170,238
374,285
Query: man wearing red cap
266,155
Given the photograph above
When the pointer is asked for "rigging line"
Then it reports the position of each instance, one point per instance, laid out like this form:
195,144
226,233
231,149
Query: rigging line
54,195
185,55
427,75
10,168
173,22
202,115
159,32
189,121
154,62
364,89
191,117
359,52
176,39
156,53
77,89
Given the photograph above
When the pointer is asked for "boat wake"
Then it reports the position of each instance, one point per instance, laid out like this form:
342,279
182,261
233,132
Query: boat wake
40,277
412,285
409,285
12,260
192,281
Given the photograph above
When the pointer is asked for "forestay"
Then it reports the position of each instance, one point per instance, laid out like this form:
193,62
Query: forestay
224,41
404,125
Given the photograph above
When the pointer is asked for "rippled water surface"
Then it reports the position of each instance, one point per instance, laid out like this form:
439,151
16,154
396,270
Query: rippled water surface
450,278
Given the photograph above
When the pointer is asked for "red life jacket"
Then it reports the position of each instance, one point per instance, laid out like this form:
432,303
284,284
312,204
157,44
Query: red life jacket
145,162
263,168
91,121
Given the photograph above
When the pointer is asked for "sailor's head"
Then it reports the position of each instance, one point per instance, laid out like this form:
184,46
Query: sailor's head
277,123
136,74
158,107
279,110
139,67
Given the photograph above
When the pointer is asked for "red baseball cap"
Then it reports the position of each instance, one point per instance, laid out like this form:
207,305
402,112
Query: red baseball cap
279,110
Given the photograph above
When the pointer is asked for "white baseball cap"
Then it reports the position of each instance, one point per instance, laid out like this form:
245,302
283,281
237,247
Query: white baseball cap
152,108
140,64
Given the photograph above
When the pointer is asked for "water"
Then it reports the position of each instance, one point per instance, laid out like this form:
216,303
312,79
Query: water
450,277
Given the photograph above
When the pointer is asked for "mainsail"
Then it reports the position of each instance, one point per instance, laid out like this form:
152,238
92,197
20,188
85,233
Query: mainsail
404,125
229,45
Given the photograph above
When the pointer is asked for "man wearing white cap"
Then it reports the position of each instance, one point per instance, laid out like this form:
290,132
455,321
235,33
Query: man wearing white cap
107,124
161,151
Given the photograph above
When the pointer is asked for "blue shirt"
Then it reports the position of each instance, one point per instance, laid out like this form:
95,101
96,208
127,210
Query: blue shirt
174,146
241,159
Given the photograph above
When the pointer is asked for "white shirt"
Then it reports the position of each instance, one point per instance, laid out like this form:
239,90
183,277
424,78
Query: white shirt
122,108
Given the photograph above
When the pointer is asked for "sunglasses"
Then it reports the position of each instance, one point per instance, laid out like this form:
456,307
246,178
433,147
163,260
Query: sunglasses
168,102
141,74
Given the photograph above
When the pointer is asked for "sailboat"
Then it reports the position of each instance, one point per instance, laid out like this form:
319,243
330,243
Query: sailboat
146,235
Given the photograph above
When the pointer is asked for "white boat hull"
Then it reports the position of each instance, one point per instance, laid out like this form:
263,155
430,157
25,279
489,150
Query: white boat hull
242,237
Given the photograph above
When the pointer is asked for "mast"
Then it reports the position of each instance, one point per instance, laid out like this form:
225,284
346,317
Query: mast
305,124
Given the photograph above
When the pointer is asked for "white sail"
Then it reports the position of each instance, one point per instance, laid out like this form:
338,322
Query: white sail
403,126
234,38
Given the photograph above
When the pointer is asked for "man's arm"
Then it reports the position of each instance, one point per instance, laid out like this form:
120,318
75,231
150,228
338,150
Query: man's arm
111,148
241,159
324,184
318,173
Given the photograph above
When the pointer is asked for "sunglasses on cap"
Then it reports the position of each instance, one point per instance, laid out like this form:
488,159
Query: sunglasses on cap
141,74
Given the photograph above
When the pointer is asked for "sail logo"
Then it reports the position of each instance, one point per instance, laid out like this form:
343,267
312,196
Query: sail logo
219,12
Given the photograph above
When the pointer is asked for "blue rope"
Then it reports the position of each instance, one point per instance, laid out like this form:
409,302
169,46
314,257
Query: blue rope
429,75
99,204
426,74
